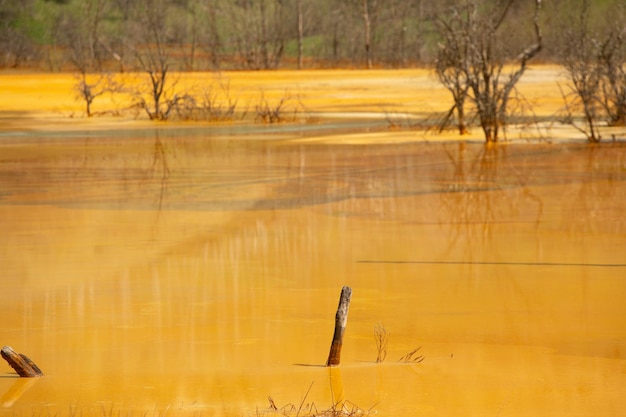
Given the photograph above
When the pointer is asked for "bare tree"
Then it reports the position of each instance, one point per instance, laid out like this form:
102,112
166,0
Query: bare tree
191,25
595,63
578,58
81,31
89,87
258,33
153,58
471,42
612,59
206,33
15,44
450,65
367,33
300,23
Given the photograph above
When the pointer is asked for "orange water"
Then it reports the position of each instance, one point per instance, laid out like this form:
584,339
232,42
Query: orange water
174,274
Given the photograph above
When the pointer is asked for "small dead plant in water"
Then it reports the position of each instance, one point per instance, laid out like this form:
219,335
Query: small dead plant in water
218,105
412,356
309,409
285,109
382,339
88,87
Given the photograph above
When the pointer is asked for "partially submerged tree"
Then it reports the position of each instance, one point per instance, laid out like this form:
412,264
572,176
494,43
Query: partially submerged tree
474,62
595,63
88,87
612,59
578,58
449,66
152,57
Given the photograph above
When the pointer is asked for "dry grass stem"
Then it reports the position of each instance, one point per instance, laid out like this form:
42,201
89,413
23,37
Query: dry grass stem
382,339
309,409
412,356
284,109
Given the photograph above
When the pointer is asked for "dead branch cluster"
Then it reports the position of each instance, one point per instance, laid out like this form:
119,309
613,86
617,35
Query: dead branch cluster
283,109
474,64
382,340
161,97
381,337
309,409
88,87
342,409
595,62
478,65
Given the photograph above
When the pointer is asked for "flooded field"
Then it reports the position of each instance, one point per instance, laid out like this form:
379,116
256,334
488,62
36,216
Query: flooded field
184,272
200,275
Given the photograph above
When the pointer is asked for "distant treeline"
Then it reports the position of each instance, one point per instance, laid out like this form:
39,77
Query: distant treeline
197,35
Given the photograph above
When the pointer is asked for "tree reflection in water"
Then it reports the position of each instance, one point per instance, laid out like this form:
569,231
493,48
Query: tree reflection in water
486,189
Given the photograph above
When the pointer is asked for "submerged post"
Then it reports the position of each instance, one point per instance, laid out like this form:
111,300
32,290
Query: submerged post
341,318
21,363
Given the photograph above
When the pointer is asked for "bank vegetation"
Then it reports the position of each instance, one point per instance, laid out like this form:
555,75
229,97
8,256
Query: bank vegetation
479,49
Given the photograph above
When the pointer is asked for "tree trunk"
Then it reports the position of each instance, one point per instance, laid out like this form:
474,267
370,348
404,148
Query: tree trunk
341,319
21,363
300,32
368,35
461,122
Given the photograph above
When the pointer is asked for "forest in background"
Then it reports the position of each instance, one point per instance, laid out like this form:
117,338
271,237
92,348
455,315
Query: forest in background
479,50
201,35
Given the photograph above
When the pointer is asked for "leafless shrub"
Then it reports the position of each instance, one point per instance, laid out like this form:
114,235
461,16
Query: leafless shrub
89,87
284,109
218,104
184,106
215,103
382,339
165,105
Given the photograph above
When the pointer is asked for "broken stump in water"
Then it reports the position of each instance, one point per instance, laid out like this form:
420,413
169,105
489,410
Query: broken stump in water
21,363
341,318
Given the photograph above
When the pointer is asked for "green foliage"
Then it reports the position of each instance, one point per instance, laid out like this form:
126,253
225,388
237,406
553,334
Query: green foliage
255,34
33,28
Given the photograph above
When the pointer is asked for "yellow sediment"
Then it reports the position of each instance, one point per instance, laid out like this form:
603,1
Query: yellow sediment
42,101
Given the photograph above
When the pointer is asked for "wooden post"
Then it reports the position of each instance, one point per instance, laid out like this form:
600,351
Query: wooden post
341,318
21,363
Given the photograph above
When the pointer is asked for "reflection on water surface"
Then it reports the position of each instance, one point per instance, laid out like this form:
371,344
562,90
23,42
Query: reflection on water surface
192,275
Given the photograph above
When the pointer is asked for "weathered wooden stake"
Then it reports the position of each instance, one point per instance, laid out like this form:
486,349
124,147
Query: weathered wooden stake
21,363
341,318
